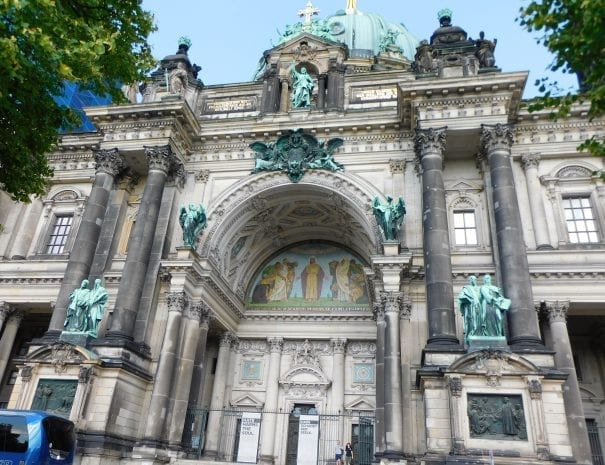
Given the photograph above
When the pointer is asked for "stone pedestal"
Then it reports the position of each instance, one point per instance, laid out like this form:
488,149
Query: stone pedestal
76,338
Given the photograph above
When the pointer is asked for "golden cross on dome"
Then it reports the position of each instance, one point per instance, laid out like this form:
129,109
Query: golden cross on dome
351,7
308,12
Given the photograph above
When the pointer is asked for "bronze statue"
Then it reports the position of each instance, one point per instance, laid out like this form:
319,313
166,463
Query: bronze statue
485,51
469,303
389,216
193,220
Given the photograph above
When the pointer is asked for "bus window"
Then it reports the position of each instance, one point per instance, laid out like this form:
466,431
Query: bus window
13,434
61,437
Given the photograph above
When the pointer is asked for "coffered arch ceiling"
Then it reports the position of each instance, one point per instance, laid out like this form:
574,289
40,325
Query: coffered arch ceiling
249,225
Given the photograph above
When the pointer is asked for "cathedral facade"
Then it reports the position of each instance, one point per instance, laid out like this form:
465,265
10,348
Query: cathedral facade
373,242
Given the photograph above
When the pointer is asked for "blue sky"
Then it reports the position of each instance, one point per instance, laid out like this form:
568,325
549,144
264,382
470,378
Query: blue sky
230,36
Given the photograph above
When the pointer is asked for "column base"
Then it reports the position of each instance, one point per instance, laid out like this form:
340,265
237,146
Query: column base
444,343
527,344
545,247
266,460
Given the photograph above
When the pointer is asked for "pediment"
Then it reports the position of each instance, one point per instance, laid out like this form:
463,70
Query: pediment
312,40
246,401
61,355
359,404
463,185
489,362
305,375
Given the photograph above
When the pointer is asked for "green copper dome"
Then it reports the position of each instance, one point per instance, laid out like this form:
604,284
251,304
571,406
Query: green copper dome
364,32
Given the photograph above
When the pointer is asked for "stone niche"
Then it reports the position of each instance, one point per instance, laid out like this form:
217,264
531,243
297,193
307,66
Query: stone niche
498,402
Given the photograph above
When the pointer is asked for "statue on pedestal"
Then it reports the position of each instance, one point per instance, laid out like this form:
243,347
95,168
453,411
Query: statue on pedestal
469,303
193,220
86,309
389,216
302,87
485,51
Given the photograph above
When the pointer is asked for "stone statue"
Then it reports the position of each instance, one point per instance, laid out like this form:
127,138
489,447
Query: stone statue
469,303
97,300
193,220
485,51
493,304
302,87
389,216
77,311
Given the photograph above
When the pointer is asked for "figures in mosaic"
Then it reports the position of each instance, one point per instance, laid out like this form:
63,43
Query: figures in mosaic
193,220
302,87
389,216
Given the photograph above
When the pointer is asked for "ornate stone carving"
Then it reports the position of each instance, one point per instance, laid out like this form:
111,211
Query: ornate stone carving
84,375
397,166
276,344
530,160
358,348
455,386
176,301
108,161
338,345
159,158
406,309
430,140
247,346
496,137
202,176
392,302
26,374
534,386
574,172
228,339
556,311
306,355
61,355
493,363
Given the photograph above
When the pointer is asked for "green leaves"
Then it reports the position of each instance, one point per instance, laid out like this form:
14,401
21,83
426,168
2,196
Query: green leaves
574,31
93,43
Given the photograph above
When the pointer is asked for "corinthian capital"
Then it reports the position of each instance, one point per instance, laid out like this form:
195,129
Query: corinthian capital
429,141
496,137
530,160
275,344
159,158
556,311
108,161
392,302
176,301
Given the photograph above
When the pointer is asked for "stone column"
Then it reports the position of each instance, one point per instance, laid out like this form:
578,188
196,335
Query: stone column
184,373
270,415
8,339
524,330
197,378
160,160
454,384
218,395
380,445
25,234
108,165
576,421
406,335
321,91
429,145
166,368
284,101
5,310
338,381
26,387
530,162
393,413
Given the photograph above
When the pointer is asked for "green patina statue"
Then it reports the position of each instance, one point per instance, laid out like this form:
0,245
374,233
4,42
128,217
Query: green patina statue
86,309
317,27
482,309
302,87
193,221
388,42
294,152
389,216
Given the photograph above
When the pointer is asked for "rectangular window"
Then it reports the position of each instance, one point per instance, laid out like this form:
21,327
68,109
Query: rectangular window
595,442
580,220
59,234
465,228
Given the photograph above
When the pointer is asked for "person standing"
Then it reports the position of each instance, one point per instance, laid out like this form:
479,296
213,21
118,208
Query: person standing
338,453
348,453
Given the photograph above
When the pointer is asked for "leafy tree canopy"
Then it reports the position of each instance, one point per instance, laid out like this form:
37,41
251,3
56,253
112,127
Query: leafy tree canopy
96,44
574,31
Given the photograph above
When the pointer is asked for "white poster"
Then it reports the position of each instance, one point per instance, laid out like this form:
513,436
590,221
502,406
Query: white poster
248,437
308,439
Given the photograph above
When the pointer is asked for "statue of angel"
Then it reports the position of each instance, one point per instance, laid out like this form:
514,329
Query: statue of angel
389,216
193,220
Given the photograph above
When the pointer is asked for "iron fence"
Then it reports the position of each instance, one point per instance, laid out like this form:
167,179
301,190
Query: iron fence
360,430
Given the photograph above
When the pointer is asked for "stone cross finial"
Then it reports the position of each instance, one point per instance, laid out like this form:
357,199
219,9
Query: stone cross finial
308,12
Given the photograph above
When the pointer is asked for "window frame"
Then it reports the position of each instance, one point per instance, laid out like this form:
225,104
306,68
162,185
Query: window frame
468,200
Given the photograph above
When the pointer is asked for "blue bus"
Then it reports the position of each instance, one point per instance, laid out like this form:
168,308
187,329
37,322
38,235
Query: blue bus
29,437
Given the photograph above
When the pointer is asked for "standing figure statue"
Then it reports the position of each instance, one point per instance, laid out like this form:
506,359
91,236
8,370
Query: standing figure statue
193,220
77,311
469,303
493,304
389,216
98,300
302,87
485,51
